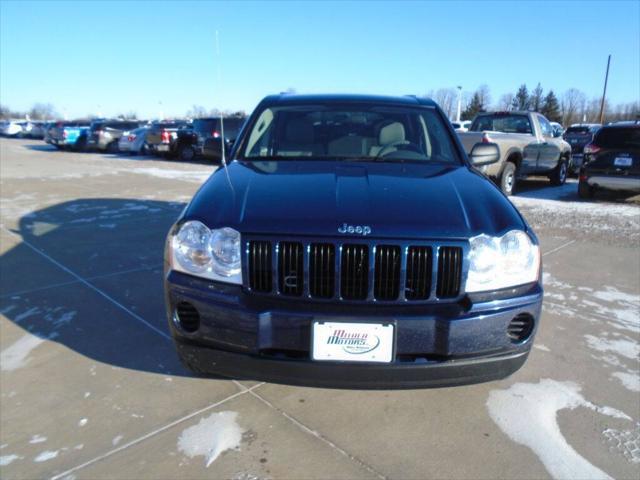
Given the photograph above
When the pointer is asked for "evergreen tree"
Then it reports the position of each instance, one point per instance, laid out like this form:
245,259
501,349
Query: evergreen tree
536,99
551,107
475,106
521,100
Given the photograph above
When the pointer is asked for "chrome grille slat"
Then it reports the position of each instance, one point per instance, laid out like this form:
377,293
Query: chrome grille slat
290,268
418,285
387,272
449,272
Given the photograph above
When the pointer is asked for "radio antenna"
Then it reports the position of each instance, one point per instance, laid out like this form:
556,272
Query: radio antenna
222,137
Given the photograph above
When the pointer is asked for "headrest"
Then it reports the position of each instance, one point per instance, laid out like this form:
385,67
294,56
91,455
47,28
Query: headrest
392,133
299,131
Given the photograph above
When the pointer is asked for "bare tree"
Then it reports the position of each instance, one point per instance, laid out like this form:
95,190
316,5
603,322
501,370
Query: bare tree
505,102
197,111
447,99
484,94
42,111
572,105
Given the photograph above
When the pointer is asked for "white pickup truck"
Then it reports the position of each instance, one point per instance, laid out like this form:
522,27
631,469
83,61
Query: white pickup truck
527,147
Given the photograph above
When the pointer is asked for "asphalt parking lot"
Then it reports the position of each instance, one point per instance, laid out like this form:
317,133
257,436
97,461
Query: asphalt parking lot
91,386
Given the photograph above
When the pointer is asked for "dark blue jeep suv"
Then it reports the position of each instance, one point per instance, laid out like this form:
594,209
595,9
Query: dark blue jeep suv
349,242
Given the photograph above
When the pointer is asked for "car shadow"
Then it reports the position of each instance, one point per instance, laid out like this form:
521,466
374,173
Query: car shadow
44,147
96,287
541,189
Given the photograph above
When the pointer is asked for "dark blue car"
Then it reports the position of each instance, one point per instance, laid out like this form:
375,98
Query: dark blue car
350,243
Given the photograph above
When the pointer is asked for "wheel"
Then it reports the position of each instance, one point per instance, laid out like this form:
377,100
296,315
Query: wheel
585,190
186,153
112,147
508,178
559,175
81,144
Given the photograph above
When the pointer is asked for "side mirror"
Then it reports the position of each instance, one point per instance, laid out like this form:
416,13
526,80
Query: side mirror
484,154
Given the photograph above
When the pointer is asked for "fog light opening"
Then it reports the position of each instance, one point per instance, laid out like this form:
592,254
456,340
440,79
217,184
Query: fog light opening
186,316
520,328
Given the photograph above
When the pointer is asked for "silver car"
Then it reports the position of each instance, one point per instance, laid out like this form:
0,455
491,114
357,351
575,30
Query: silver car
134,142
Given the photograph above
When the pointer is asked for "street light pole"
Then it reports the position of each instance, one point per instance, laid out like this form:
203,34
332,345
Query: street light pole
459,103
604,93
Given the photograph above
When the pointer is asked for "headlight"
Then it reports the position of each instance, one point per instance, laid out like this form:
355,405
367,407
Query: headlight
496,263
213,254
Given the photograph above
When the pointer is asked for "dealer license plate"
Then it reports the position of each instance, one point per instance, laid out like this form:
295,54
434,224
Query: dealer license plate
622,161
352,342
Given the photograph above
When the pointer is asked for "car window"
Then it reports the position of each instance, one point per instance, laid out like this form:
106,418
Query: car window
506,123
545,126
618,137
362,131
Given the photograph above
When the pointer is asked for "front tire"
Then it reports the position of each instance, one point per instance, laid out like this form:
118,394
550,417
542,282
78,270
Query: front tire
508,179
186,154
559,175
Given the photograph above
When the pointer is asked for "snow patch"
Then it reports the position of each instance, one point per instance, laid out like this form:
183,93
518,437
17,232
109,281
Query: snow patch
46,455
116,440
82,422
527,413
539,346
630,380
38,439
15,356
626,348
7,459
212,436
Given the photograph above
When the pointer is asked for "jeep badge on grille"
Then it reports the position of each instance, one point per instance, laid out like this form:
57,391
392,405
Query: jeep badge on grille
363,230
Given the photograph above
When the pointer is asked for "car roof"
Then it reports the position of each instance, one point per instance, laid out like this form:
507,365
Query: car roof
621,125
291,99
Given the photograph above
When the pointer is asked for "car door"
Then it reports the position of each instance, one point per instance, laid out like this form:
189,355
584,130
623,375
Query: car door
550,147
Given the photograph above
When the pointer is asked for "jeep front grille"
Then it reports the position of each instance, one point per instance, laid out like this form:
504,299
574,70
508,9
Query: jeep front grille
291,272
449,272
322,270
354,272
260,266
363,271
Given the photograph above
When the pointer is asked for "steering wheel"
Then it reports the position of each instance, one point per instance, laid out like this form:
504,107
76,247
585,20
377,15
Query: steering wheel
403,144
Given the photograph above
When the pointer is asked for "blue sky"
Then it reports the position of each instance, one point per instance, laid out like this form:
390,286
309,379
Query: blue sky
114,57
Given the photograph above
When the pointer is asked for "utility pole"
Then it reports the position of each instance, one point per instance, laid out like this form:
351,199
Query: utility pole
459,103
604,93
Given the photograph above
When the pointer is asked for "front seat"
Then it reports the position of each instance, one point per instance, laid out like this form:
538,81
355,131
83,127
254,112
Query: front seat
299,139
389,135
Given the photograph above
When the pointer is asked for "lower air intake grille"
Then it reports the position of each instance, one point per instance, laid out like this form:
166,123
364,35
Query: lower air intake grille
354,272
260,266
520,327
290,268
449,272
387,273
419,268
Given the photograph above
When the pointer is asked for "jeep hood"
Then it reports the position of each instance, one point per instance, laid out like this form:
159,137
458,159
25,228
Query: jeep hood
317,198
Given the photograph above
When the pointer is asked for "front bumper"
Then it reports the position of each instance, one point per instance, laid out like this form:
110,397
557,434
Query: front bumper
437,345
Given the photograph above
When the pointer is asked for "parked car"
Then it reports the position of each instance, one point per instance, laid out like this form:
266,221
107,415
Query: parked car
69,134
351,243
10,128
461,126
162,136
527,147
611,161
205,137
105,134
32,129
134,141
578,136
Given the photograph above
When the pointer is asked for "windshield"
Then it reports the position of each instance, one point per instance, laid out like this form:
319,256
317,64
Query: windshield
618,137
350,132
502,123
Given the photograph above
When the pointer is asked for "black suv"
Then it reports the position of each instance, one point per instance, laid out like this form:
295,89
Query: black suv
612,160
204,137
